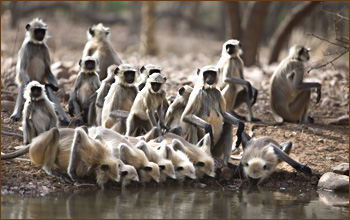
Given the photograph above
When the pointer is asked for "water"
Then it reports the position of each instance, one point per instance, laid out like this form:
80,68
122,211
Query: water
179,203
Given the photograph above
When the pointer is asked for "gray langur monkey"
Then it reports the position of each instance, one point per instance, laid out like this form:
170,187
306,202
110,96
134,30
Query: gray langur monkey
120,98
261,156
34,64
99,47
147,101
146,71
205,112
38,113
235,88
85,86
175,110
289,95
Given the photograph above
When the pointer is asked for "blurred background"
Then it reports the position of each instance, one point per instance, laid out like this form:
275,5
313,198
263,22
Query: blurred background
266,29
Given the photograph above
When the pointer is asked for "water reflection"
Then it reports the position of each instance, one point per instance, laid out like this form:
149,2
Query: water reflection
178,203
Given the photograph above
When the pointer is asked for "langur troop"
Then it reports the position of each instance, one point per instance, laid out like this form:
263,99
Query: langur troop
129,132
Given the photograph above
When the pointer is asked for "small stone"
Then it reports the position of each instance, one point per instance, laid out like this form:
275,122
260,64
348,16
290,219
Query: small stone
334,181
342,169
320,140
316,131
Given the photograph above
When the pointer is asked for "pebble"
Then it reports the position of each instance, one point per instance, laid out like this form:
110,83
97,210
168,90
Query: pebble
334,181
342,169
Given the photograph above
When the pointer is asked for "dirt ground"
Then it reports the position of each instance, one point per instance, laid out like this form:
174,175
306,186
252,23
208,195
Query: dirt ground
321,146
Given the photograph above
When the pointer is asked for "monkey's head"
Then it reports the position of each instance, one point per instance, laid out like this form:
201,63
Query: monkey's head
185,92
205,162
128,174
300,53
185,170
37,31
232,48
166,167
126,74
88,64
98,32
152,170
35,91
156,82
109,168
208,77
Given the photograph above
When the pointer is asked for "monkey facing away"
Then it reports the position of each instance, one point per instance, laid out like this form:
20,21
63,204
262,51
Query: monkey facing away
235,88
261,156
73,152
120,98
205,112
289,95
38,113
175,110
85,86
99,47
147,101
34,64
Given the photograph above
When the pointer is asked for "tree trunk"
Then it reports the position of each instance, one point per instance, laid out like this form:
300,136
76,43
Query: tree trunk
147,39
232,20
296,15
253,25
135,22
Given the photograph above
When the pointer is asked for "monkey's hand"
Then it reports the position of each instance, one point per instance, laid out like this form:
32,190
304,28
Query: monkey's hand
239,132
209,129
305,169
15,117
166,128
318,95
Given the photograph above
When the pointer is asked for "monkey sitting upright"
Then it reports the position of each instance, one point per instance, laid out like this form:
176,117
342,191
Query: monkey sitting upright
147,101
120,98
289,95
85,86
231,69
175,110
99,47
206,113
38,113
34,64
261,156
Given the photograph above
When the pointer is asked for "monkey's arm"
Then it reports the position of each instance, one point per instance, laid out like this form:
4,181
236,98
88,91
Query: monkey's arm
231,119
298,166
53,119
236,80
298,83
23,66
73,106
194,119
51,79
119,114
26,117
101,94
161,118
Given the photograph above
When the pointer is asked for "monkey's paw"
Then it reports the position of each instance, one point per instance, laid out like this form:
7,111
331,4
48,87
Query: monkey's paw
15,118
64,122
306,169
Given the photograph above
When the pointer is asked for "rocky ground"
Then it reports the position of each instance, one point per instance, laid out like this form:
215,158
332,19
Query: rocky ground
321,145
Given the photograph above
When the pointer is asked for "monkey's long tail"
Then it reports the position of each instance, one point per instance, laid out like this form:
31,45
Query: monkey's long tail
12,134
15,154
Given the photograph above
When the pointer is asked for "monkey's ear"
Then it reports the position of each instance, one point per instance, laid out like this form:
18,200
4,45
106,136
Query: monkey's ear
300,51
164,77
147,169
200,164
91,32
104,167
124,173
181,90
27,27
179,168
142,69
107,32
80,61
98,137
162,167
198,71
116,70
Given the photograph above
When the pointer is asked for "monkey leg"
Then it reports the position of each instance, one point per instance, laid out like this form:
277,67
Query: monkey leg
119,126
191,134
131,126
16,115
64,118
98,115
176,130
224,146
299,107
242,97
230,95
44,149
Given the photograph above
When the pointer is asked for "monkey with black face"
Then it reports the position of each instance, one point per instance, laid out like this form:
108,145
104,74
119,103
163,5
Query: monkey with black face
206,113
146,71
289,95
262,155
85,86
231,68
99,47
120,98
147,101
175,110
34,64
38,112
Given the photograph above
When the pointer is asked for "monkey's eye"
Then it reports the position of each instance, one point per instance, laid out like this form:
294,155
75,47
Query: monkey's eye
265,167
247,164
